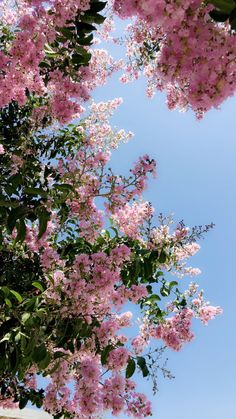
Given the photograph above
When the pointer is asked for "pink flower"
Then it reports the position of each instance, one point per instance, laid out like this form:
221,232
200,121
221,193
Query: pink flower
118,359
208,312
139,343
175,331
131,219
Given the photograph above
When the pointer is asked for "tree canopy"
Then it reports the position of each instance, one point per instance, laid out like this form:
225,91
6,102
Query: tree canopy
78,243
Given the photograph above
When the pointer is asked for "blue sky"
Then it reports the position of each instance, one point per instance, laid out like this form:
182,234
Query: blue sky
197,182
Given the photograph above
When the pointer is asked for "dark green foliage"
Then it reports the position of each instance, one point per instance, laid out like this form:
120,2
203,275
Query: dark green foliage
141,362
225,10
130,369
24,194
69,51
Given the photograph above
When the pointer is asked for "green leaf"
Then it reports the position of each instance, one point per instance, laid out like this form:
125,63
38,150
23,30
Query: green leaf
81,58
164,291
172,284
25,317
105,354
141,361
39,353
36,191
32,303
83,27
232,19
77,58
45,362
64,187
44,217
183,302
162,257
17,295
233,24
21,230
98,6
149,289
86,40
9,204
5,290
44,64
14,215
13,360
225,6
154,297
68,32
59,354
219,16
41,313
8,302
148,269
49,51
38,285
23,402
93,18
18,337
130,369
6,337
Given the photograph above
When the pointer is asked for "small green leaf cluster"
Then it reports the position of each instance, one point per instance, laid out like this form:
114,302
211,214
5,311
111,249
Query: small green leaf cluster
69,51
24,194
225,10
140,361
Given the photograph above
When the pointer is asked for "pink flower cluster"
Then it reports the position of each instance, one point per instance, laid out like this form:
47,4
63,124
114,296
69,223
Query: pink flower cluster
92,287
192,58
204,310
156,12
130,219
175,331
87,177
33,244
91,394
123,294
176,242
120,395
86,171
208,312
118,359
89,286
34,27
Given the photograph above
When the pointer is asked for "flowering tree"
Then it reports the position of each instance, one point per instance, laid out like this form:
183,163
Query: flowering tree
186,48
77,241
182,50
62,318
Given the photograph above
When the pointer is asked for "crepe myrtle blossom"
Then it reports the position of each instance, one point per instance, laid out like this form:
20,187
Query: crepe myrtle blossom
180,50
88,280
66,318
30,39
90,287
86,274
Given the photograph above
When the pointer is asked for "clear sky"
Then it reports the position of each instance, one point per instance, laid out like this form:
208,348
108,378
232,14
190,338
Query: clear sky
197,182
